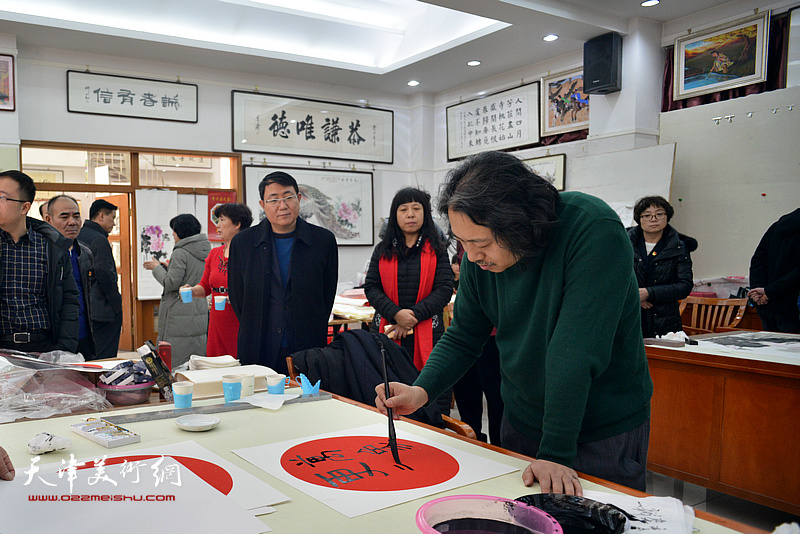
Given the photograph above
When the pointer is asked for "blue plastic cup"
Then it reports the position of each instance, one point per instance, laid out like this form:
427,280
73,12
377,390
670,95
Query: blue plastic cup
182,394
219,302
186,294
276,384
232,387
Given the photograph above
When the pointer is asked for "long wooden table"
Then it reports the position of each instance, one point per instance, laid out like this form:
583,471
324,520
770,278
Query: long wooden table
729,420
303,514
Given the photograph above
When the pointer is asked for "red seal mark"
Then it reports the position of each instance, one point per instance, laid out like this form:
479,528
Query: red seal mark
364,463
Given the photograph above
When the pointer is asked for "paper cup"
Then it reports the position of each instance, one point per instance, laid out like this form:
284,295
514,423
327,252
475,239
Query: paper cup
276,384
219,302
186,294
248,385
232,387
182,394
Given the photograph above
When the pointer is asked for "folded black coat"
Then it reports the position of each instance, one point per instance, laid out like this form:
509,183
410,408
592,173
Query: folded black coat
351,366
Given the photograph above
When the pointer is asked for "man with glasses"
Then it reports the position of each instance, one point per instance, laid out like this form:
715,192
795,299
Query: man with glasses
38,295
64,214
282,276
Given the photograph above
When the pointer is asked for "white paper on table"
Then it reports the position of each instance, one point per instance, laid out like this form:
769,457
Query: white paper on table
662,514
267,400
248,491
472,469
182,503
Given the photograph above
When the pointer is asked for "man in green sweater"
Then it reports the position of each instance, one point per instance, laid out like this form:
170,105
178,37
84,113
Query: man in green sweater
552,272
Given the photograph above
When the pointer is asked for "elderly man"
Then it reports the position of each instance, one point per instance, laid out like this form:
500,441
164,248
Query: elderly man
553,274
106,299
64,214
38,295
281,278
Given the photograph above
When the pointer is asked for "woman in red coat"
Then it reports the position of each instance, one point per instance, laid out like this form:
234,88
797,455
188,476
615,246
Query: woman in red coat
223,326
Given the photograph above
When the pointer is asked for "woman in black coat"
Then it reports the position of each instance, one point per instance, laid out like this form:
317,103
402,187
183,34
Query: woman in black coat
662,264
409,280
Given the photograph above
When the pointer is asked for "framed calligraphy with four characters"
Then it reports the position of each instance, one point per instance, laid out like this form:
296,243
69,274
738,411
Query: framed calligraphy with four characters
275,124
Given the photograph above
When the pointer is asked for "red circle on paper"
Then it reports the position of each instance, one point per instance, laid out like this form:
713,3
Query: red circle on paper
365,463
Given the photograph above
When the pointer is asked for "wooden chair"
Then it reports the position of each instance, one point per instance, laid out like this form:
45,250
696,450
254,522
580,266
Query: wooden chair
459,427
712,315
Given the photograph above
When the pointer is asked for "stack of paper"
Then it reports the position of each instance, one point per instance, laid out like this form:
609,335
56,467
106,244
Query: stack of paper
663,514
196,363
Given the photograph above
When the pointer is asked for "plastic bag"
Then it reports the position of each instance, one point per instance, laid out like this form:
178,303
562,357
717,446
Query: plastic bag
579,515
41,394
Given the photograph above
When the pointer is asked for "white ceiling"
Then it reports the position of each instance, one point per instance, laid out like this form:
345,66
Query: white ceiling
371,44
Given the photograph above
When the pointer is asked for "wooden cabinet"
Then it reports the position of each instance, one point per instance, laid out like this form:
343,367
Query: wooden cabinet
728,424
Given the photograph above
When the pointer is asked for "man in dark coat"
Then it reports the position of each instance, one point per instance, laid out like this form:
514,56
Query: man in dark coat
64,214
775,275
282,276
38,295
106,299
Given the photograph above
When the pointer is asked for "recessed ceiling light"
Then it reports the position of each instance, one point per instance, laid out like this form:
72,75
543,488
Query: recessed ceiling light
413,83
473,63
650,3
550,37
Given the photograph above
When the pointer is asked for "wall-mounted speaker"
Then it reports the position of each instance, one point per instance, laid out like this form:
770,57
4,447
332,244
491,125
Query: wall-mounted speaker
602,64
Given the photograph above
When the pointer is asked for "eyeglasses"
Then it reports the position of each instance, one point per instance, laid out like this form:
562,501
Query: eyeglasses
275,202
654,216
5,199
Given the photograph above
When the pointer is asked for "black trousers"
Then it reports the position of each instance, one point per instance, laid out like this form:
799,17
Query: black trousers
106,337
621,458
481,379
788,323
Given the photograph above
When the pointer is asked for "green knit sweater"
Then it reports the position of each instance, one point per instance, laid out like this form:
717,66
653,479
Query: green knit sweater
568,329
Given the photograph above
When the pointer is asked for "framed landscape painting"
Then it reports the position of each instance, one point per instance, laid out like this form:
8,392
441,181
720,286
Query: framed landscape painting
551,168
724,57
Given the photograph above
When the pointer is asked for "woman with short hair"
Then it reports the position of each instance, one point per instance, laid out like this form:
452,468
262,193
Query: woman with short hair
662,265
183,325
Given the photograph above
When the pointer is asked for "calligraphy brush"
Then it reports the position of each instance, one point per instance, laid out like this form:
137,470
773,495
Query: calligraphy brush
392,434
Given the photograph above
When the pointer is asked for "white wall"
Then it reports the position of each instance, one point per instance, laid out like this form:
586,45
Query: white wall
733,180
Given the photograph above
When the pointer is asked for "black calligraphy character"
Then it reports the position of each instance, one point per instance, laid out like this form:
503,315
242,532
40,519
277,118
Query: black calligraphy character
354,138
167,102
307,126
344,476
125,96
104,94
331,130
148,100
280,126
324,455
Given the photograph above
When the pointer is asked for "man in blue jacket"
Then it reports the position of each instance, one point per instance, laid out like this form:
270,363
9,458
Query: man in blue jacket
38,295
282,276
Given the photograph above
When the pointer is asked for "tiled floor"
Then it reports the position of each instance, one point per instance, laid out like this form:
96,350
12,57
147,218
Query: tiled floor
704,499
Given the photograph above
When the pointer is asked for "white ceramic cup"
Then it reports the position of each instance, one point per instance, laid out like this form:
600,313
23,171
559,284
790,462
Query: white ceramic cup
248,384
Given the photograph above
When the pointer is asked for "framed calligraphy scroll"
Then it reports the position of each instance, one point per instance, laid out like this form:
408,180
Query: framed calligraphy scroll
140,98
275,124
340,201
500,121
723,57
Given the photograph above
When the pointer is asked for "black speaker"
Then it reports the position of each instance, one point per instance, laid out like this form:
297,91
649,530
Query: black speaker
602,64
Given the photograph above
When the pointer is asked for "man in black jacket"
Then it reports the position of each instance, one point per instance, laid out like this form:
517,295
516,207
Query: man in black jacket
106,300
775,275
64,214
282,276
38,295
